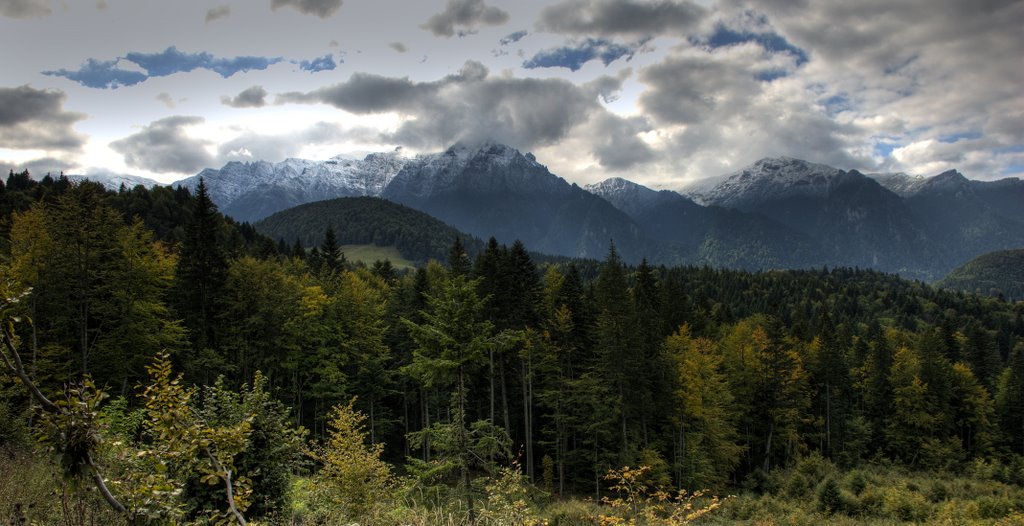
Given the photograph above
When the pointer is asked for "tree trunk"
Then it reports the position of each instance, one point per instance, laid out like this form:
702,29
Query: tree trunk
768,447
504,394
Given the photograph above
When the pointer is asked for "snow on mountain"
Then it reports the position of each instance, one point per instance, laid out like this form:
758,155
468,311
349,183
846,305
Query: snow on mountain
630,197
484,168
253,190
772,179
901,184
950,181
113,181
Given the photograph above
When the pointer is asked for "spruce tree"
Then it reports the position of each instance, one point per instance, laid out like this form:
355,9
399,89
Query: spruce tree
202,271
458,259
330,252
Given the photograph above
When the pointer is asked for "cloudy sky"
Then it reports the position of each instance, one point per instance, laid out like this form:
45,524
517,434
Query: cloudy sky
661,92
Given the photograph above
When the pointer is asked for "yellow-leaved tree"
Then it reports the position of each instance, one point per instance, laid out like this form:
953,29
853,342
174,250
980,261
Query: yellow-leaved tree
353,480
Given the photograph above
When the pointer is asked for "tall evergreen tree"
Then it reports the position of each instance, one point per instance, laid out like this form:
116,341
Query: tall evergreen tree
201,274
458,259
330,252
618,360
1010,401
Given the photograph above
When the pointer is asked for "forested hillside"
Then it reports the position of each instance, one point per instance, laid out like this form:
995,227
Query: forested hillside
366,221
167,365
996,273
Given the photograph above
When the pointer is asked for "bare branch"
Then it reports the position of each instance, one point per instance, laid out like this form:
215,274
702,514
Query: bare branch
102,486
228,486
18,369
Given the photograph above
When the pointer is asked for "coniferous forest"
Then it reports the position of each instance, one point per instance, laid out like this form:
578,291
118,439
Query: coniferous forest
164,364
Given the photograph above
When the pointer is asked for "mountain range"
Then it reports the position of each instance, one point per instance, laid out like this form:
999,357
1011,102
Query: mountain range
776,213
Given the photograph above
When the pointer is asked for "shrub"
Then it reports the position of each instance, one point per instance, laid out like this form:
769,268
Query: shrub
991,507
857,481
905,505
830,500
353,479
572,513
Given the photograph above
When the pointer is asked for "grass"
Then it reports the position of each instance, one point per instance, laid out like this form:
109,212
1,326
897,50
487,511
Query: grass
369,253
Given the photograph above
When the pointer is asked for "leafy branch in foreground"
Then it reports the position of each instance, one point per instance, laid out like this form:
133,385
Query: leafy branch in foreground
182,443
70,419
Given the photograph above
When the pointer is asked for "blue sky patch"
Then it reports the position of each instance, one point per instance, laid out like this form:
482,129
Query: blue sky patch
513,38
574,57
884,148
836,104
770,75
324,63
100,74
771,42
108,74
955,137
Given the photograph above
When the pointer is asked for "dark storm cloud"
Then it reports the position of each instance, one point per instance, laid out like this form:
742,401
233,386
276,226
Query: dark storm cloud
398,46
467,14
469,106
575,56
615,142
25,8
320,8
222,11
108,73
36,119
366,93
39,167
254,97
693,88
163,147
621,17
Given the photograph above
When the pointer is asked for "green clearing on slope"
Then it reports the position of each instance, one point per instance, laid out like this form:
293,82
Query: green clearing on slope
368,254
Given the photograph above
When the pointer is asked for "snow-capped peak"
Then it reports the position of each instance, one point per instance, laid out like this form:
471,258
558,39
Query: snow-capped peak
775,178
295,181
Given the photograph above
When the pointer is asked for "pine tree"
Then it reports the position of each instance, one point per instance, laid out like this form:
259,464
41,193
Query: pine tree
202,271
330,252
618,360
1010,401
452,344
297,250
458,259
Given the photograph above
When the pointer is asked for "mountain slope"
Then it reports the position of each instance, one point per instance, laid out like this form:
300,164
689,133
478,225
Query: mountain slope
367,221
853,220
494,190
901,184
994,273
112,181
252,191
951,211
712,235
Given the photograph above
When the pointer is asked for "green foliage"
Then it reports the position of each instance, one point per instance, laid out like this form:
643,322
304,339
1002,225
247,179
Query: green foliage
353,482
830,499
273,449
706,418
996,273
184,444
